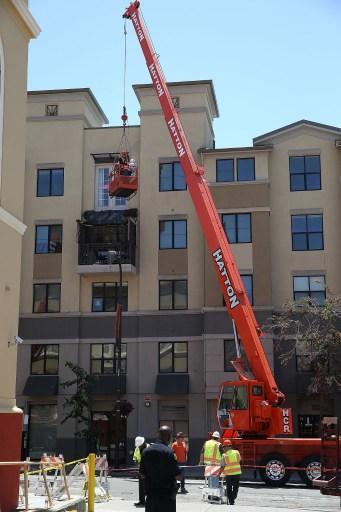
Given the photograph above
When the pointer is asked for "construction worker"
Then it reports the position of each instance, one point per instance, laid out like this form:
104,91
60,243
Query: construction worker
140,445
230,470
211,457
180,451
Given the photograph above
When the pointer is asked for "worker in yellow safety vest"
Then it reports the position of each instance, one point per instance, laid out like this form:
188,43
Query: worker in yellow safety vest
211,457
230,470
140,445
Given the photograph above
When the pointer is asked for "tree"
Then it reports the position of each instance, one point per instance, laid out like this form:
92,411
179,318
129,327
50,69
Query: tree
315,329
78,404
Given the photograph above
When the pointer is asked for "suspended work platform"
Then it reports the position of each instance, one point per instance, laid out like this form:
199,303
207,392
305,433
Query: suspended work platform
123,179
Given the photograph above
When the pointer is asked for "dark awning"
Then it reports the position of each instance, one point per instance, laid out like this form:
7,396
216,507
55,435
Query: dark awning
104,217
172,384
105,158
107,385
41,385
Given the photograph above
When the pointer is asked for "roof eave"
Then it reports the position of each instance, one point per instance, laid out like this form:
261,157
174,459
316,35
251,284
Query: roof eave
287,128
27,17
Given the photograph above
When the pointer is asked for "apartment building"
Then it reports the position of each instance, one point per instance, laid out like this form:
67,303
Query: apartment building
279,202
17,27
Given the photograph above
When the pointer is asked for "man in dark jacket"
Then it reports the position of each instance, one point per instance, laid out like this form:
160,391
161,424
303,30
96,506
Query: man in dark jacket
161,472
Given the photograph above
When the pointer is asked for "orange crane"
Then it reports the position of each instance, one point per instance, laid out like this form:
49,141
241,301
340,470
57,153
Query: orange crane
249,409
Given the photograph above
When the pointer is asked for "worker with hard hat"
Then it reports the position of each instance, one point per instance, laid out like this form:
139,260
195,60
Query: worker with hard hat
211,457
230,470
140,445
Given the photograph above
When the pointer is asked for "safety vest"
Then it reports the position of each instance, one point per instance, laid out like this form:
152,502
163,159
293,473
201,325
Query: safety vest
211,453
137,455
231,461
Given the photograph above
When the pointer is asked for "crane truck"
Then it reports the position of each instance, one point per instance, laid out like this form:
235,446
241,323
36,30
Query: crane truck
251,410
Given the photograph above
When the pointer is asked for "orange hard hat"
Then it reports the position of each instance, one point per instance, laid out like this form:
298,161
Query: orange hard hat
227,442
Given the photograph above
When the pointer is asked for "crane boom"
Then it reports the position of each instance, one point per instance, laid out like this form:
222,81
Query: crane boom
236,299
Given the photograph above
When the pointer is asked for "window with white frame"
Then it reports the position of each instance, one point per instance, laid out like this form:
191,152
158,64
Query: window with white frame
102,199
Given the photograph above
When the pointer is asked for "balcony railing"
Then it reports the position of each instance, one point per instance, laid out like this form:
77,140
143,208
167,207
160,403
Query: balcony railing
106,254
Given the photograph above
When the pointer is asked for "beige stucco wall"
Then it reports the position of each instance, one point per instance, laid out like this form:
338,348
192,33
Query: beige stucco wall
155,145
14,38
54,143
284,203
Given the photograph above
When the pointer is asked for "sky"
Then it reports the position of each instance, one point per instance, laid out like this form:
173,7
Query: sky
272,62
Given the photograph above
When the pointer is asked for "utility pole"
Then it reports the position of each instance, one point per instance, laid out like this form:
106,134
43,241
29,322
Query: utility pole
118,337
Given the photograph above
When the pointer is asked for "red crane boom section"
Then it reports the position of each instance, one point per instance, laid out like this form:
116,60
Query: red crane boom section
236,299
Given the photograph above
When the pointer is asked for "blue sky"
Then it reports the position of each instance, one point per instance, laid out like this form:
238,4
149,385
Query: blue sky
272,62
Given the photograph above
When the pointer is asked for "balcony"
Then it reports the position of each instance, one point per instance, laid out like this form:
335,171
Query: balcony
105,242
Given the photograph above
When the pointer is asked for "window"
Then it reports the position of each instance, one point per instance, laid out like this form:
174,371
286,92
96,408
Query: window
44,359
105,296
104,359
173,294
173,357
171,177
310,286
245,169
237,227
229,355
42,430
102,200
303,363
48,239
225,170
248,283
305,172
307,232
173,234
46,298
234,397
50,182
309,425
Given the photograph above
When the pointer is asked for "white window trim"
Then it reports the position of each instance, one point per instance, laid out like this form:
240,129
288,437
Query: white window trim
111,202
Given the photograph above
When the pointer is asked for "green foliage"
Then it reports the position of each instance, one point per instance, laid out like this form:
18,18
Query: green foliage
78,404
315,331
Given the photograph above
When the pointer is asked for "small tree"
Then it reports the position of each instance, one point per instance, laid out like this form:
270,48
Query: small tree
316,330
78,404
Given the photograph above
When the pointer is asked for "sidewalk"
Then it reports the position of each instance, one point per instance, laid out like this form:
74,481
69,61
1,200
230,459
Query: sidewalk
121,505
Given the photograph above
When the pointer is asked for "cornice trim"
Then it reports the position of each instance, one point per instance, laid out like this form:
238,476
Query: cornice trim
27,17
12,221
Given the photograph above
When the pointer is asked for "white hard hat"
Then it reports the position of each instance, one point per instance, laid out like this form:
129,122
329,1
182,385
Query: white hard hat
139,440
216,434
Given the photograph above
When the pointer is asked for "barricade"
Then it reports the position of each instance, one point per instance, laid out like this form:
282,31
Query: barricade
52,478
101,479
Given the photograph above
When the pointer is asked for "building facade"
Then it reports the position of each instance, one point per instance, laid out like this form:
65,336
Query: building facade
279,203
17,27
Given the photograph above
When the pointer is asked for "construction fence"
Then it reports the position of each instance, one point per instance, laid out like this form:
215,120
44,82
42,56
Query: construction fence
56,480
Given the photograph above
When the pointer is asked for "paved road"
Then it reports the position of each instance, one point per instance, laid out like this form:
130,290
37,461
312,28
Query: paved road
252,497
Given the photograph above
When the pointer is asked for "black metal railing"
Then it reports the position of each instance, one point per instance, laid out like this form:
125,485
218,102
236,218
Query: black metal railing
106,254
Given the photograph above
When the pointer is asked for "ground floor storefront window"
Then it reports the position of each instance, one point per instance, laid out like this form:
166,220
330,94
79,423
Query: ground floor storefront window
42,433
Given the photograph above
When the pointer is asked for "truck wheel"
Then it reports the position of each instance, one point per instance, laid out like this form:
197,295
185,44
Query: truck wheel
275,472
312,469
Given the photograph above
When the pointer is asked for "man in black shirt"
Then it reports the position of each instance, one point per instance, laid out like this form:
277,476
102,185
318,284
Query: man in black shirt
161,471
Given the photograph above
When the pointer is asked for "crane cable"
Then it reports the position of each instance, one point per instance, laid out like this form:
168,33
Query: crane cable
124,144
